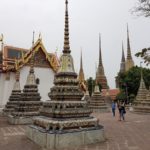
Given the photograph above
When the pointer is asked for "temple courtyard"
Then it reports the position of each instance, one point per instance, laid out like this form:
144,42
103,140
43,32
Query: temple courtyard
132,134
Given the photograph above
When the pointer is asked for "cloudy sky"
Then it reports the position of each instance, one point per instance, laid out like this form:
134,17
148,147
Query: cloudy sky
88,18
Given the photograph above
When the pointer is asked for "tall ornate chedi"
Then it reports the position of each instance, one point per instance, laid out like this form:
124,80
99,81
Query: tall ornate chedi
65,121
122,68
142,101
122,64
100,75
81,72
97,102
15,95
129,60
29,103
82,82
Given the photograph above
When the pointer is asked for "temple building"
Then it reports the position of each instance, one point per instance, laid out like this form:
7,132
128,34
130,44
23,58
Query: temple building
100,75
66,120
142,101
129,61
46,65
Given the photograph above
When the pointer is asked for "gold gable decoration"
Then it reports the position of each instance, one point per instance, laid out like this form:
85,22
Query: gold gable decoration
51,58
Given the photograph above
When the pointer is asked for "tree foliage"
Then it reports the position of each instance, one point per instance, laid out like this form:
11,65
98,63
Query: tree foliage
142,8
129,81
145,55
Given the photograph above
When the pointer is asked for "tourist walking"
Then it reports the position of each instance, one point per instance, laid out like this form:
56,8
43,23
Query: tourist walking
121,109
113,106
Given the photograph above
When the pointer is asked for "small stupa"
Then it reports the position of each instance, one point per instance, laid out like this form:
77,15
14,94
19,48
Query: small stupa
65,121
15,95
97,102
29,104
142,101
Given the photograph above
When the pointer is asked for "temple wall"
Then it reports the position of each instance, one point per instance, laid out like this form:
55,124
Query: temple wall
1,88
6,87
45,75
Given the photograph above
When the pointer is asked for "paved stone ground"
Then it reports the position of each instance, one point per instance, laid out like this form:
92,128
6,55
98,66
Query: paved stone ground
132,134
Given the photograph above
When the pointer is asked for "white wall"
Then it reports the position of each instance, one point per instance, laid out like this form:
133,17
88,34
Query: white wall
46,76
6,87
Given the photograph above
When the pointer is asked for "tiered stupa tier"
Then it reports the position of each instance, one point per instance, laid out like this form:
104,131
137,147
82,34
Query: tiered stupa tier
65,121
29,104
97,102
142,101
15,95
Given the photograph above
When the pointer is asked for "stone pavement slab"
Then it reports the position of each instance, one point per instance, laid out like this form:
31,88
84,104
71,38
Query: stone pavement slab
132,134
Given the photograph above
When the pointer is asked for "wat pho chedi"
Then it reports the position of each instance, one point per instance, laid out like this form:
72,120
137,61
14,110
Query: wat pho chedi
29,103
65,120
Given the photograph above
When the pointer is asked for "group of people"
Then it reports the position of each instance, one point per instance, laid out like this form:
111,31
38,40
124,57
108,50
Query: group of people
121,109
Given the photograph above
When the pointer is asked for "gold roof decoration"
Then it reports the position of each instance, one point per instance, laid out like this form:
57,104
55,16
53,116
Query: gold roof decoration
25,58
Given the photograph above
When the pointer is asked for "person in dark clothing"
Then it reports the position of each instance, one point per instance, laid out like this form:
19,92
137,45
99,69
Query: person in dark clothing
123,111
113,106
119,109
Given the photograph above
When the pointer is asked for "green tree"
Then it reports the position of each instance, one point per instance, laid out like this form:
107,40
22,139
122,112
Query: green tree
145,55
90,85
142,8
129,81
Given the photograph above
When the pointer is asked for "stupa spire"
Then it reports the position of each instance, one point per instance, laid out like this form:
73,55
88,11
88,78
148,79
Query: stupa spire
81,72
31,76
100,52
66,31
122,64
123,57
128,45
32,57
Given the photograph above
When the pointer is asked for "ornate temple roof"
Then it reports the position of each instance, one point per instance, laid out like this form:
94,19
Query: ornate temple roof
24,55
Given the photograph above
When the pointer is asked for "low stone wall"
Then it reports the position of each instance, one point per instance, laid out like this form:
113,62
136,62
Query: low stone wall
58,140
20,120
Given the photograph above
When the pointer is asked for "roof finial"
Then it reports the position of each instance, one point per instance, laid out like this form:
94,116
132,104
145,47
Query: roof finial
33,39
40,36
81,63
128,45
100,53
66,31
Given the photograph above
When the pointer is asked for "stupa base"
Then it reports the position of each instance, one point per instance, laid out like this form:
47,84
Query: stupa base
141,109
20,120
64,139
